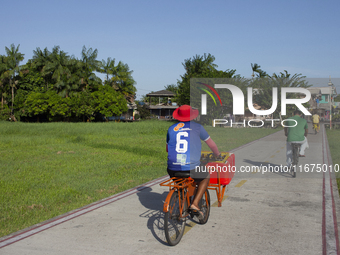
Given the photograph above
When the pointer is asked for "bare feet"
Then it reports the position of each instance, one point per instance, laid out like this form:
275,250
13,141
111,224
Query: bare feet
197,212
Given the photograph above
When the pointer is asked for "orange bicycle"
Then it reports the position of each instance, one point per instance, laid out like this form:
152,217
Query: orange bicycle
182,189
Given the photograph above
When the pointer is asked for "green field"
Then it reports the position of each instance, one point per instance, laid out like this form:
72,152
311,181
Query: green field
334,145
48,169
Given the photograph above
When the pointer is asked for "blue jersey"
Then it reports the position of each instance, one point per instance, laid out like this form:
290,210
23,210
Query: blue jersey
184,145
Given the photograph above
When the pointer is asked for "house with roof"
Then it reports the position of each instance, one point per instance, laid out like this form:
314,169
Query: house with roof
321,101
164,105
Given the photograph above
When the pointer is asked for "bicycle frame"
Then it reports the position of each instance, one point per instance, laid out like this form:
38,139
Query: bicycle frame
219,191
179,185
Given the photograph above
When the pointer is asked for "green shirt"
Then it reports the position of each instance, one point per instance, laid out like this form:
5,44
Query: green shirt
297,133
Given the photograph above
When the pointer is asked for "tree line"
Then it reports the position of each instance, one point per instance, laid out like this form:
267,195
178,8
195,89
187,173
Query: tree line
201,68
56,86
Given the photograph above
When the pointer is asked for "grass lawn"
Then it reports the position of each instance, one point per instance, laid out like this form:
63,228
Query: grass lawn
334,146
47,169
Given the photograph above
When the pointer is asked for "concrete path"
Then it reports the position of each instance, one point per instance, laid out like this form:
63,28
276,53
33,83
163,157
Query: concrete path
266,211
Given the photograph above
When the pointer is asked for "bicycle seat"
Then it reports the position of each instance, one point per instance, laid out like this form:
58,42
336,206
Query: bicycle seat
182,174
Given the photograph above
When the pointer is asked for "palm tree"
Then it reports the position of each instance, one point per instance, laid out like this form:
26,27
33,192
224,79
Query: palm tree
89,64
196,67
119,77
108,67
39,61
255,68
58,68
4,78
287,80
122,79
40,58
13,59
199,64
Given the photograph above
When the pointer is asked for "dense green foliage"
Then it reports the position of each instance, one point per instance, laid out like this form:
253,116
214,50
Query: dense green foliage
264,94
198,67
144,112
202,69
57,86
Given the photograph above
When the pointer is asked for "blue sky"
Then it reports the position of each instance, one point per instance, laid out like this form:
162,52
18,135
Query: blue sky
155,37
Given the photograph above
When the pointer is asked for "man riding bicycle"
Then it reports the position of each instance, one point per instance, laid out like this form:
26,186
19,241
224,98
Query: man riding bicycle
296,133
184,150
316,121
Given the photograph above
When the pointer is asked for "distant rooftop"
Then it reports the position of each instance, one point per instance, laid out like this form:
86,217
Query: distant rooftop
314,91
161,93
323,90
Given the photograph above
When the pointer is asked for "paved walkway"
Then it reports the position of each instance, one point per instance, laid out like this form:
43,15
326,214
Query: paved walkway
265,212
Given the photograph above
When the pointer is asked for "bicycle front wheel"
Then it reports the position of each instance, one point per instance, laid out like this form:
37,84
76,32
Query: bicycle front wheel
204,204
174,222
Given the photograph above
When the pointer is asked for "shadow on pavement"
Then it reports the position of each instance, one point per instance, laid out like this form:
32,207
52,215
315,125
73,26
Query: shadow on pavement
153,202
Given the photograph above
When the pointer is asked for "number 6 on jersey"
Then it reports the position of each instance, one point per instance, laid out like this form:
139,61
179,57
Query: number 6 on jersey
183,142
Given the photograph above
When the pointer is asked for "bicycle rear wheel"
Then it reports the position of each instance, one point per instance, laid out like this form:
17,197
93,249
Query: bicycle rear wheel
296,151
204,204
174,222
293,170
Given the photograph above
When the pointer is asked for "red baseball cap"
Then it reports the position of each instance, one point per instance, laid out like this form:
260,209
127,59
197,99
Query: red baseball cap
185,113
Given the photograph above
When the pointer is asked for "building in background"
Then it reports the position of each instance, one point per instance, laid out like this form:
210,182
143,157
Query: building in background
322,102
161,104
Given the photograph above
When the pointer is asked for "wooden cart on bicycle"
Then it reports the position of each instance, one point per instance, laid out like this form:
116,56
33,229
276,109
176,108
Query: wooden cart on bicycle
182,189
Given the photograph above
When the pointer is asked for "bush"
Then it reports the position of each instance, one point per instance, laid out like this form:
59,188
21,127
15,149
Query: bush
144,113
82,106
5,113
